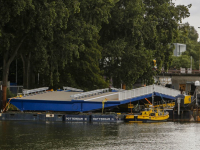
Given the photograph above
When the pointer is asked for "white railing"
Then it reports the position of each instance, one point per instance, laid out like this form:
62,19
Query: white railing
128,94
147,90
37,90
166,91
90,93
72,89
135,92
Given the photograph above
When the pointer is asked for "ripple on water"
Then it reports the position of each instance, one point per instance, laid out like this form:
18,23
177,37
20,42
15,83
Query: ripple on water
59,135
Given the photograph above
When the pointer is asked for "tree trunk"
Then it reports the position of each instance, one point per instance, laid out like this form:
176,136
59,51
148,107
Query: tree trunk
6,65
26,70
32,79
5,81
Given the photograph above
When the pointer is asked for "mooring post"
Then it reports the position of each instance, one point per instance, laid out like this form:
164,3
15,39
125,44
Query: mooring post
182,116
153,96
178,101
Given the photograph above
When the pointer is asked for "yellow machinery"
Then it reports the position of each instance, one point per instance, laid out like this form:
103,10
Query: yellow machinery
103,102
148,115
187,99
167,105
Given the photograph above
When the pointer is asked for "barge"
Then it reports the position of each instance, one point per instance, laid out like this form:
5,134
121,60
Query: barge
75,100
76,105
60,117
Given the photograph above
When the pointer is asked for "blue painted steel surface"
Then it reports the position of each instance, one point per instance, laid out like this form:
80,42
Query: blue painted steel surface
104,118
73,105
45,105
31,117
21,116
164,96
114,91
94,106
136,98
77,118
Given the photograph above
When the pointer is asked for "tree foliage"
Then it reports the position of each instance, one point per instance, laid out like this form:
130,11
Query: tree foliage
80,43
183,61
136,34
188,35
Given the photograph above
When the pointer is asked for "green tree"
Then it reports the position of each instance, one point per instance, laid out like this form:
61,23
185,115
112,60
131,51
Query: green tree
81,65
137,33
188,35
25,23
13,31
44,40
183,61
123,45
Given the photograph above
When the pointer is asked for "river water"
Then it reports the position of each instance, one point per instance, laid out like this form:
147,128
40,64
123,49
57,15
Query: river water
99,136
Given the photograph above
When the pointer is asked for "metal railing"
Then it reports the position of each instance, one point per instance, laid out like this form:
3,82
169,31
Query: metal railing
128,94
166,91
147,90
90,93
72,89
179,72
33,91
135,92
16,89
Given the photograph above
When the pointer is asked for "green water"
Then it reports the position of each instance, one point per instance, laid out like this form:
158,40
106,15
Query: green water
99,136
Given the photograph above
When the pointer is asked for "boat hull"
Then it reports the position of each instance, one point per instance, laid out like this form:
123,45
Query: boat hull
150,121
137,119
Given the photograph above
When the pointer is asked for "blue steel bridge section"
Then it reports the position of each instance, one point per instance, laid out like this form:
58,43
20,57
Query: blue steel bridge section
85,105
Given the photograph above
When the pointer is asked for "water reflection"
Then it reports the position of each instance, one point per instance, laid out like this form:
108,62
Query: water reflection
61,135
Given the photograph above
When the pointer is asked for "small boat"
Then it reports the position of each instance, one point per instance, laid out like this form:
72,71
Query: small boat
148,115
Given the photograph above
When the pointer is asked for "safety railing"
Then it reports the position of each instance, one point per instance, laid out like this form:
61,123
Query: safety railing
33,91
128,94
166,91
147,90
90,93
72,89
135,92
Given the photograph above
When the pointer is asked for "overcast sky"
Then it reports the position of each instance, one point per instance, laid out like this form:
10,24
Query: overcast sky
194,19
